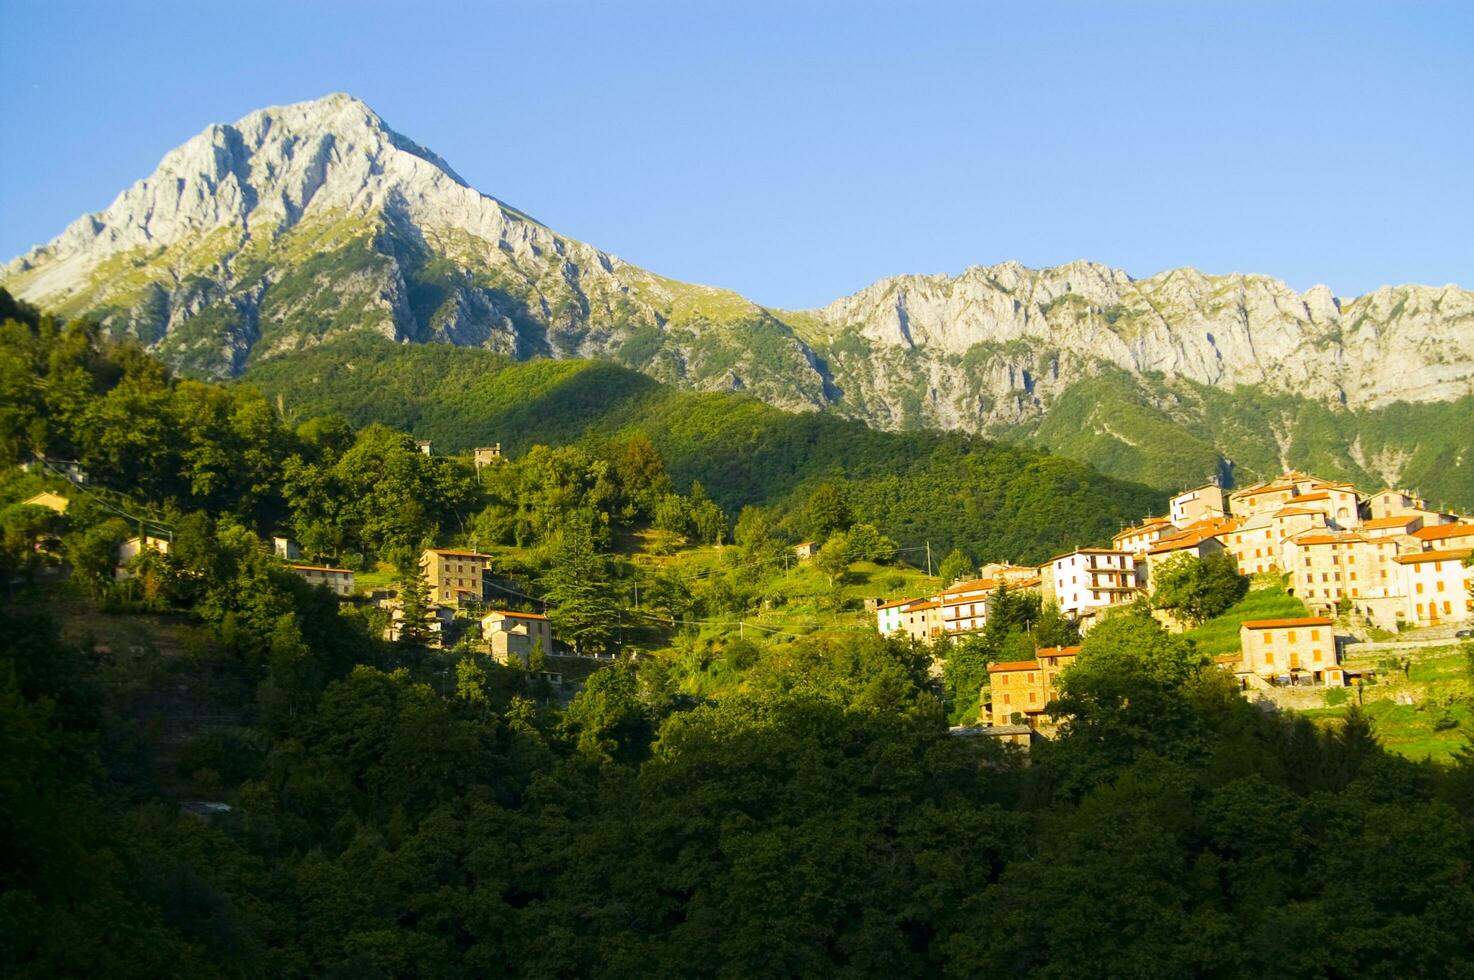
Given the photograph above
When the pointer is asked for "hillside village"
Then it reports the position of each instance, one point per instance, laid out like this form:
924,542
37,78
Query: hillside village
1384,559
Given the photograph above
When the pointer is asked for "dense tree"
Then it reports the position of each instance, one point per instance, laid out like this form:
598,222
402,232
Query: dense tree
866,543
1197,589
827,511
833,558
955,567
578,585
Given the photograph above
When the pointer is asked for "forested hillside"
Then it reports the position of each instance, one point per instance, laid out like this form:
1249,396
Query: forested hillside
402,811
1173,433
991,499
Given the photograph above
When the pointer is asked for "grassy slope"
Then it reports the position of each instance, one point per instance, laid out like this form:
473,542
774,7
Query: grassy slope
994,500
1220,636
1440,721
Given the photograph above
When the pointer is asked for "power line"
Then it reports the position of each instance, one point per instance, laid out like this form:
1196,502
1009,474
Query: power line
101,502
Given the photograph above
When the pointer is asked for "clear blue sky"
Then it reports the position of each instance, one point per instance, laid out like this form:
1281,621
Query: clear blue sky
796,152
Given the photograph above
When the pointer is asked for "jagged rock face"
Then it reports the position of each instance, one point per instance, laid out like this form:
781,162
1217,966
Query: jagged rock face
299,223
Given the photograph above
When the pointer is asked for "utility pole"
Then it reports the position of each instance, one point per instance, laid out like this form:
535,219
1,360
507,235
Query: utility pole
928,559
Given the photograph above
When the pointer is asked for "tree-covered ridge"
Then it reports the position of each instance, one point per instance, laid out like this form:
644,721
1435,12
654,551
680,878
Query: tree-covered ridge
1175,433
398,811
991,499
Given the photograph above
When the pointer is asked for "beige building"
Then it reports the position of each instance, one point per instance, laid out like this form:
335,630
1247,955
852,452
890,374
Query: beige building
1013,576
1255,544
964,606
455,578
1437,586
1261,498
49,500
285,548
437,621
1196,504
1307,645
1442,537
1392,503
922,620
1338,502
1022,688
1206,540
1140,539
486,455
1327,567
337,580
1396,525
515,634
131,548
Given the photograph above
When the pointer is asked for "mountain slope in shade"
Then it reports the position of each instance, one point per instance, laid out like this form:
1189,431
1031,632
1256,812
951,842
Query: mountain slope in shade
302,223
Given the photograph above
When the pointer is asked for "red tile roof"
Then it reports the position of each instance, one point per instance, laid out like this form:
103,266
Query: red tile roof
1269,624
1013,665
1381,522
1453,554
1438,532
322,568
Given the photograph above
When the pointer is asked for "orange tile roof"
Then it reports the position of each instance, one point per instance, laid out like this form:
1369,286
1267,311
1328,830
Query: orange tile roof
895,602
1266,624
1058,651
1179,541
321,568
976,585
1322,495
1381,522
1437,532
1013,665
1346,538
515,615
1296,512
1262,488
1088,551
1025,583
1455,554
453,553
926,605
1141,528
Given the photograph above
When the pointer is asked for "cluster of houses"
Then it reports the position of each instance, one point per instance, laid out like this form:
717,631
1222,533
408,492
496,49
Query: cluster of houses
1386,559
456,582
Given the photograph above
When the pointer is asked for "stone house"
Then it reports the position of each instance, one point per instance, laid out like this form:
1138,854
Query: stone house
1437,586
339,581
1304,646
1023,688
455,578
514,634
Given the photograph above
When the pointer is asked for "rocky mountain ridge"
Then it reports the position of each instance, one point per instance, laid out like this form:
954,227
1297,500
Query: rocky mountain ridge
301,223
